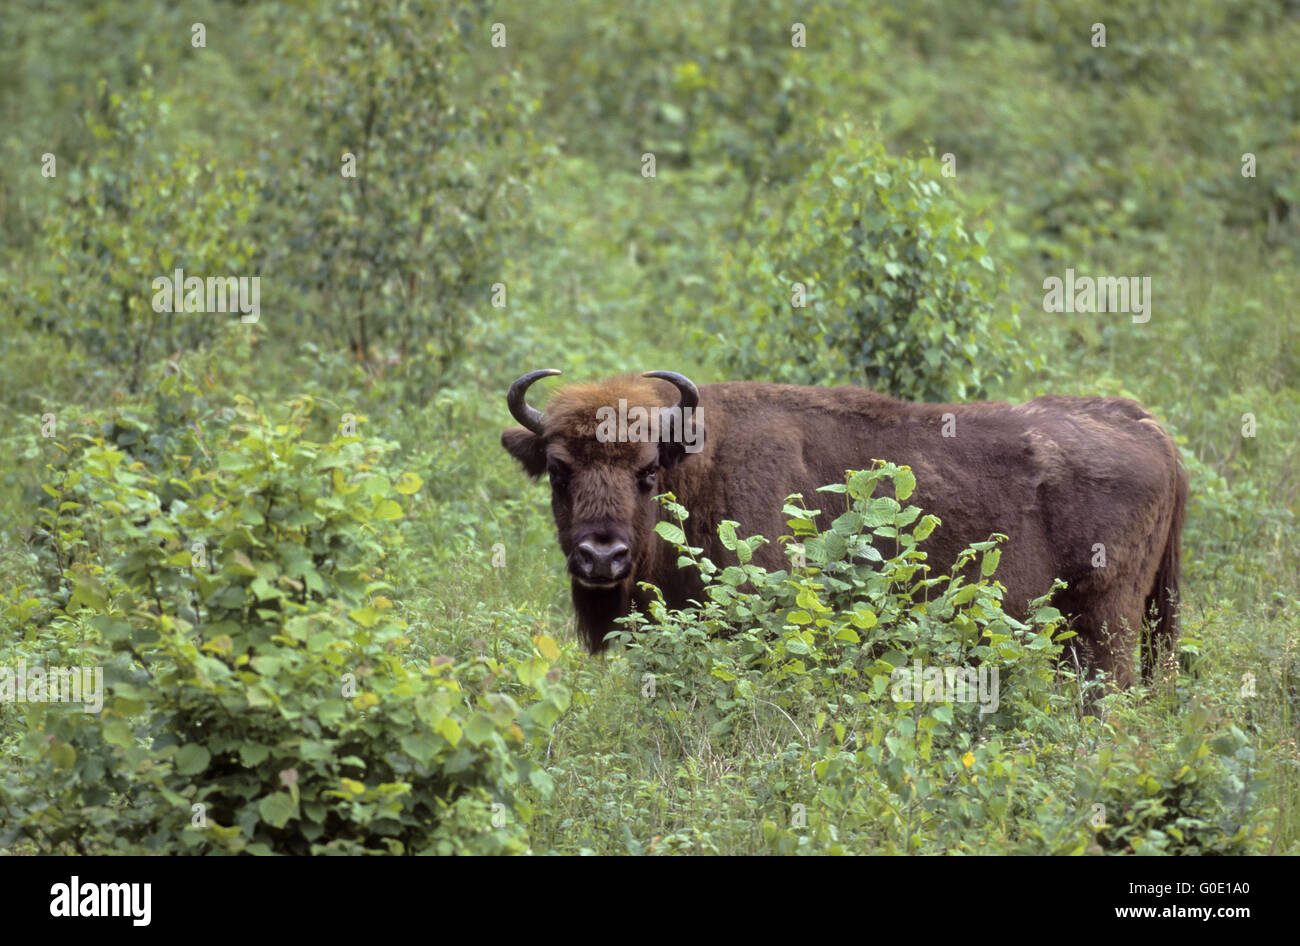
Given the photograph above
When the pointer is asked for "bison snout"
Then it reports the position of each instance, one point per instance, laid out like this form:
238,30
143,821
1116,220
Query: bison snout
601,562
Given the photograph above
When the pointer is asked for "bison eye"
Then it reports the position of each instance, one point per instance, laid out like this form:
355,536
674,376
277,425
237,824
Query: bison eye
559,478
646,478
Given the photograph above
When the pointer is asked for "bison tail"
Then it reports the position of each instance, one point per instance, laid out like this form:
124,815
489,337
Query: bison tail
1162,637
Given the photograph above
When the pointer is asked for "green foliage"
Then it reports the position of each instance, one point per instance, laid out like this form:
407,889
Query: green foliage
900,736
867,275
95,291
47,78
258,693
719,83
1191,798
402,251
519,164
1228,516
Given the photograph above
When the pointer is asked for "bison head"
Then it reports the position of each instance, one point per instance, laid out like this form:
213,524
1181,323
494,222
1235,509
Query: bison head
605,448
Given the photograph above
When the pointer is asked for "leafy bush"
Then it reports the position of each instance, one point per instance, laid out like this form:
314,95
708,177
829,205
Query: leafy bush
257,693
1190,798
94,290
832,646
670,82
403,251
1224,517
867,275
1123,160
826,644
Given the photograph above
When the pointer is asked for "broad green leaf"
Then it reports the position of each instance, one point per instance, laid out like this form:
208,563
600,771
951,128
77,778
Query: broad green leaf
276,809
671,532
904,484
192,759
408,483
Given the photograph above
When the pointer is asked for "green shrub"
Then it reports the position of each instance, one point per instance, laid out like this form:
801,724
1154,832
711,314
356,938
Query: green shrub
819,661
699,83
867,275
140,211
1193,797
1224,518
400,254
824,644
258,696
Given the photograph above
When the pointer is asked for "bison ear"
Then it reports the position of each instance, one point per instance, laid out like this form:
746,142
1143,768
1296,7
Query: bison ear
526,447
673,452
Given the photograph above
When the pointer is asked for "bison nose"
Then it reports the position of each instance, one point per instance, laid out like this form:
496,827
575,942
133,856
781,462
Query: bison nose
602,561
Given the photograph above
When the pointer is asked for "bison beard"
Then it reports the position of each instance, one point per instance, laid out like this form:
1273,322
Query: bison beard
1068,479
596,610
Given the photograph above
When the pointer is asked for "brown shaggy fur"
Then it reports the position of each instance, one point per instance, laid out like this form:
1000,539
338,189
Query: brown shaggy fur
1058,475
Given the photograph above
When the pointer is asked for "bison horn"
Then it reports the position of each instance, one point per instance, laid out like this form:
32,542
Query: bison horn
520,409
690,393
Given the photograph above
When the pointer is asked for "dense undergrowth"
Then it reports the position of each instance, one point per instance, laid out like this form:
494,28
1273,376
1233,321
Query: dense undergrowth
331,616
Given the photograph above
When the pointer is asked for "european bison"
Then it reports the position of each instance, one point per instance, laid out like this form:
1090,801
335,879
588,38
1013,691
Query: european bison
1068,479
